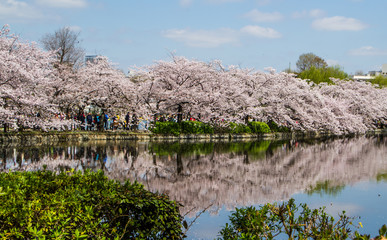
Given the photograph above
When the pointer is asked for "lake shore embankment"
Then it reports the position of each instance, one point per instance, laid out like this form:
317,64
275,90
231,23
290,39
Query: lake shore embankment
28,138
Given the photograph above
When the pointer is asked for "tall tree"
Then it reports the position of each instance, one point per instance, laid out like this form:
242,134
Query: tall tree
308,60
99,83
65,42
26,75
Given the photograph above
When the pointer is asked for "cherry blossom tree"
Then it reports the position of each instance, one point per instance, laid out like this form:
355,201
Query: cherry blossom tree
360,102
99,83
25,74
210,90
203,90
34,87
178,86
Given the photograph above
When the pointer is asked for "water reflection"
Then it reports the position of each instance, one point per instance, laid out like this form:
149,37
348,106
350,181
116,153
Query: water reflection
218,174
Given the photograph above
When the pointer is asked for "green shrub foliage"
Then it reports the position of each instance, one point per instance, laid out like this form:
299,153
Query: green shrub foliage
259,127
287,219
238,128
195,127
380,80
75,205
166,128
320,75
274,127
186,127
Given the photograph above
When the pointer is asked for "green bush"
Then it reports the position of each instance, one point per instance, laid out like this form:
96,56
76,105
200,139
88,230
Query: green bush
75,205
380,80
259,127
288,219
166,128
275,128
319,75
186,127
195,127
238,128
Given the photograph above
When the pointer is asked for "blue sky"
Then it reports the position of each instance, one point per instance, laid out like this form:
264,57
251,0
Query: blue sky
249,33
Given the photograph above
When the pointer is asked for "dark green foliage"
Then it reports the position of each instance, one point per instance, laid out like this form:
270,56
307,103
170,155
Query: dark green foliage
382,235
309,60
238,128
320,75
195,127
275,128
166,128
287,219
75,205
380,80
186,127
259,127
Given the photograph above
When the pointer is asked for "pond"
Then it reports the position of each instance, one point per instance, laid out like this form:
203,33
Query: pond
342,174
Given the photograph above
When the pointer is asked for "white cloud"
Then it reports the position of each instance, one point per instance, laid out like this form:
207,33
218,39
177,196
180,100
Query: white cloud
13,9
261,32
335,208
314,13
63,3
202,38
368,51
338,23
258,16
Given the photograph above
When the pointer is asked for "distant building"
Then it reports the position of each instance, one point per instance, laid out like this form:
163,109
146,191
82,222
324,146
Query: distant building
384,69
371,74
90,58
363,77
374,73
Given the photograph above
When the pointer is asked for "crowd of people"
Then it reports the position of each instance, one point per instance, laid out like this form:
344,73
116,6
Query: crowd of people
103,121
90,121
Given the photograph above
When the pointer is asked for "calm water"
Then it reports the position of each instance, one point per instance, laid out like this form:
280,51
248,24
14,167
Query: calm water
341,174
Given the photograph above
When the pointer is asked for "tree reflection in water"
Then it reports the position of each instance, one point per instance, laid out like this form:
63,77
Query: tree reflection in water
218,173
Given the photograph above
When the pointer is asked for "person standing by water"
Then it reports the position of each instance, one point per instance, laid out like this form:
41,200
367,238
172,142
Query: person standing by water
89,120
81,119
134,122
105,121
127,118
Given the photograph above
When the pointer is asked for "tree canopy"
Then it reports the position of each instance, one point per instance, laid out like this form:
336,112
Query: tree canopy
65,42
308,60
33,84
320,75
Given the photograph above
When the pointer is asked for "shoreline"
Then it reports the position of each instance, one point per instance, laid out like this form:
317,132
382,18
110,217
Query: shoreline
29,138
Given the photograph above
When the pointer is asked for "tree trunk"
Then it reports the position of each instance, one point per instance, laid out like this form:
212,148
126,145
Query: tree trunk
179,114
247,119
